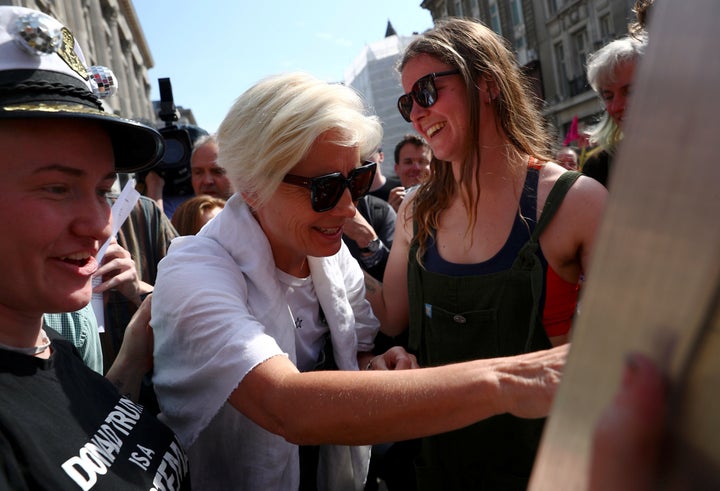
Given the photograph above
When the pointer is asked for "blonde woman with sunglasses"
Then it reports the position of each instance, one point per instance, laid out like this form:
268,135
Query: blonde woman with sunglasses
490,250
262,330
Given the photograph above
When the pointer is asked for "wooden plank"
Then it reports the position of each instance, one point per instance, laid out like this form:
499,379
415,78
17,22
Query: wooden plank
655,274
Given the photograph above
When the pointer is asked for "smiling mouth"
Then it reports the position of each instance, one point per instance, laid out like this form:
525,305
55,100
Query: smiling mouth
81,259
434,129
329,231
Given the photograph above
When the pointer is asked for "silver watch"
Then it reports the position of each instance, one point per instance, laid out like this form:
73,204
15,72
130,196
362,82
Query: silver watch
373,246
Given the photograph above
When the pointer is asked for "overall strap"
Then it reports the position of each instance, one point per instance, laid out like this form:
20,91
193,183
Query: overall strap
527,257
414,280
552,203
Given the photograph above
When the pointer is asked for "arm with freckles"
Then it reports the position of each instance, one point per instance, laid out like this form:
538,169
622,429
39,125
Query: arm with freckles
356,408
253,374
389,299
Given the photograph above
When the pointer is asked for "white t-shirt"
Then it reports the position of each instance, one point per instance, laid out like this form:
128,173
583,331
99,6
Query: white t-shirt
219,310
310,326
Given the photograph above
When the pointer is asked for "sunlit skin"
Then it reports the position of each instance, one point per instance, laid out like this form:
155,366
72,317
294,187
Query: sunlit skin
444,125
293,228
55,216
414,165
616,93
207,176
344,406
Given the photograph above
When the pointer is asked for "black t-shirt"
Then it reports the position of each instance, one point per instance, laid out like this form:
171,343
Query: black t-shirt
597,166
64,427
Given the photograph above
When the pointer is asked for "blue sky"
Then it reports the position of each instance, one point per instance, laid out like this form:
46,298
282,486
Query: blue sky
215,49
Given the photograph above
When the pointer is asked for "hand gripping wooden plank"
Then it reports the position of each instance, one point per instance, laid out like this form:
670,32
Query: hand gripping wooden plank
654,279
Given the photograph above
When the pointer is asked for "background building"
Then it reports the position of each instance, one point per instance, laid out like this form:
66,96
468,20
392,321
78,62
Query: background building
109,34
552,39
373,75
570,31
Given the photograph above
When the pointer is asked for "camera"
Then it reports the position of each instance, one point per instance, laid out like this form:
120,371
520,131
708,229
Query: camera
174,167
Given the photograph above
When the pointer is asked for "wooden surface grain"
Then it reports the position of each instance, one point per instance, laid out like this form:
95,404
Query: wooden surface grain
655,273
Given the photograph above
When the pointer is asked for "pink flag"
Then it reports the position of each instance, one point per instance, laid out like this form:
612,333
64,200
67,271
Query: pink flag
572,134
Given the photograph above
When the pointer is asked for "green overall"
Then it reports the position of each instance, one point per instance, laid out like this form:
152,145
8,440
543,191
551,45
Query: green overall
461,318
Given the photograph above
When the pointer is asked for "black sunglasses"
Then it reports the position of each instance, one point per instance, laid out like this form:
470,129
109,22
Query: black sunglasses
423,91
326,191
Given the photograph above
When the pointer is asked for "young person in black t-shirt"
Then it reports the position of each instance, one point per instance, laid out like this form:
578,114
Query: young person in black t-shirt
63,426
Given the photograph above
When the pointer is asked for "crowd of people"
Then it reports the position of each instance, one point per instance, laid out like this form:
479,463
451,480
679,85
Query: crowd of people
301,307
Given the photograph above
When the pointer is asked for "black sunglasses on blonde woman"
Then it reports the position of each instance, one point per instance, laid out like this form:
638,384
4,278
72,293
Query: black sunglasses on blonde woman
325,191
423,91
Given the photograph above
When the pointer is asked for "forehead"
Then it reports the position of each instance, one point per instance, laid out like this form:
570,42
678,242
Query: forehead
61,141
420,66
329,153
622,75
205,155
410,150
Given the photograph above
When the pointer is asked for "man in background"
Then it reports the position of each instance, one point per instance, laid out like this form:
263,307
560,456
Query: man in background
568,158
208,177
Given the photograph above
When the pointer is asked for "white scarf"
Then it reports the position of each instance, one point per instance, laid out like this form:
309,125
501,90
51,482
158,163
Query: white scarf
214,293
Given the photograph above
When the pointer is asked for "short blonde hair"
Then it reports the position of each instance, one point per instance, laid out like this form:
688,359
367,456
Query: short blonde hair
274,124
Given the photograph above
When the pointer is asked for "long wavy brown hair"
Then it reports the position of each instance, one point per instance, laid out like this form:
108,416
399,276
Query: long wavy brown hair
478,53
